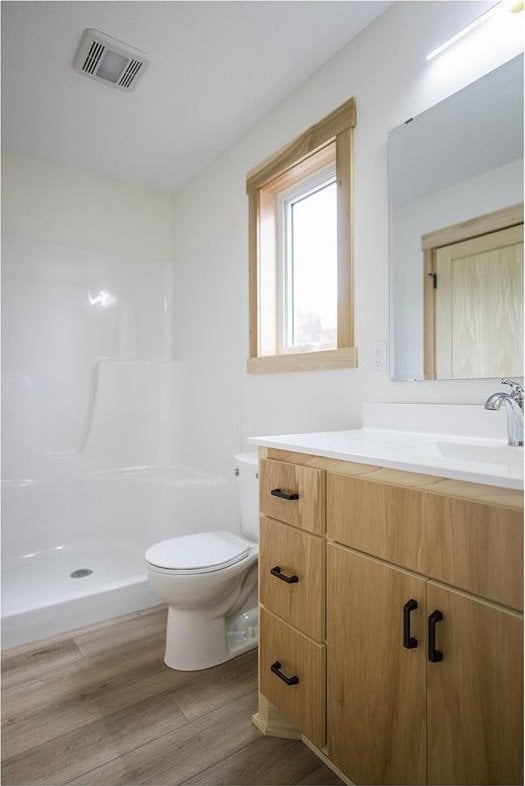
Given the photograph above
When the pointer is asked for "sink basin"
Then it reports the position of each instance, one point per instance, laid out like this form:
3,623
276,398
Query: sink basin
434,451
486,454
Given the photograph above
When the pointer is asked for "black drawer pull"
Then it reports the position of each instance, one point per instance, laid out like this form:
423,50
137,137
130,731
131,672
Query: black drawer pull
276,668
290,495
280,575
434,655
409,642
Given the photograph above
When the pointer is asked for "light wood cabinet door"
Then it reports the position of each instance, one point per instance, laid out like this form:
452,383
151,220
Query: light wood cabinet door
376,686
292,671
292,576
293,493
475,694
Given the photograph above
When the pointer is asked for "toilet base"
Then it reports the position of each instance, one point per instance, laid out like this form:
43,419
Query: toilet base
195,641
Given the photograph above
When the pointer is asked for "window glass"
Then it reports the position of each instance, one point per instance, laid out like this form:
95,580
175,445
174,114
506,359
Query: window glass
311,269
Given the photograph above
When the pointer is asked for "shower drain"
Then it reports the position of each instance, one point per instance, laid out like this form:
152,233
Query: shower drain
80,573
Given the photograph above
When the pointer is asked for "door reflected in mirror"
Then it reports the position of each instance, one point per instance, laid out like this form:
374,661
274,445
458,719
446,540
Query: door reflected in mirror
473,280
456,234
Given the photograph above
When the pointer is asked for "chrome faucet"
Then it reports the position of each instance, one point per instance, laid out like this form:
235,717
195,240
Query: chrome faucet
513,403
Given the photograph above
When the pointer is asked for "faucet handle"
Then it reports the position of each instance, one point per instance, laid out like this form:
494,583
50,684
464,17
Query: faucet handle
516,390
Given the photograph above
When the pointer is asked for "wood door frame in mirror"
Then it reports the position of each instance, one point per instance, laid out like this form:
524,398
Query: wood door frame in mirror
455,233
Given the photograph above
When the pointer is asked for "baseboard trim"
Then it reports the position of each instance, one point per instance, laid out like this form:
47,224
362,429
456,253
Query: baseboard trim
274,730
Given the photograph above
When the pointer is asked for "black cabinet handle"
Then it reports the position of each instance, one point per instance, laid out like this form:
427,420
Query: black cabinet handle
284,494
409,642
276,668
280,575
434,655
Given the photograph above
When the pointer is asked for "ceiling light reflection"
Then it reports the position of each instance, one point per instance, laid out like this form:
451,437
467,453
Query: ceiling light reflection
103,298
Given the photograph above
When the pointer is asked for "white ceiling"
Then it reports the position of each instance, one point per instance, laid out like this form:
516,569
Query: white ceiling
216,68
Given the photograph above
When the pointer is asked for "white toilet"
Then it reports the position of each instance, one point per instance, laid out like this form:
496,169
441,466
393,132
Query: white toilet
209,581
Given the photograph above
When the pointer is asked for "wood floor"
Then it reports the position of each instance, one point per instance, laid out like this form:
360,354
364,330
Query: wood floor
98,706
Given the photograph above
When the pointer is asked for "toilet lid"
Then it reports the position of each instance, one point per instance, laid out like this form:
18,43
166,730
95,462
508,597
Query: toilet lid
201,551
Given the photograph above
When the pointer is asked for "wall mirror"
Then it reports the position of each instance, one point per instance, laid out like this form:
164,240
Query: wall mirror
456,240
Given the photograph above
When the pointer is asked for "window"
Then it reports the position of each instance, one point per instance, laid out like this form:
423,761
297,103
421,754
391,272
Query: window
307,264
300,252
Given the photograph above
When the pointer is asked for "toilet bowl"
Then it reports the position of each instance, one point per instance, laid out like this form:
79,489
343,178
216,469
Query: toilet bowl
209,581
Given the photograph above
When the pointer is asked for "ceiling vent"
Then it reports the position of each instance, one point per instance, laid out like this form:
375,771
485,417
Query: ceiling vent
102,57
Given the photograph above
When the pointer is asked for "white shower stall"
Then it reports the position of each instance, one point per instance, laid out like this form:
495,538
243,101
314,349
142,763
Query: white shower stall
92,464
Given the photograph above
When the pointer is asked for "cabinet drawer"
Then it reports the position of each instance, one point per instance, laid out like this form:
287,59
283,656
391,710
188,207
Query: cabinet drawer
474,546
293,493
302,703
298,556
381,520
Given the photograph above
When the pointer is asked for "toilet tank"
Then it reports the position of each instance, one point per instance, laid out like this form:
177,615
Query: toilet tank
247,473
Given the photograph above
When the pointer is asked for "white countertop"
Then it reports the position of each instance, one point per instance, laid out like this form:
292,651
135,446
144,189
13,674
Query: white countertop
444,454
491,462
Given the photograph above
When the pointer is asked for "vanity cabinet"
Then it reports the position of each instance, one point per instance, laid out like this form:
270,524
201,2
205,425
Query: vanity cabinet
393,712
408,608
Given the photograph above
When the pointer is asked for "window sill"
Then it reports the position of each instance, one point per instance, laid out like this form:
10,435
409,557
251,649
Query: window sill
304,361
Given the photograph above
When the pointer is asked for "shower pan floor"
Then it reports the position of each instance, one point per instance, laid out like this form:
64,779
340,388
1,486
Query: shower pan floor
43,578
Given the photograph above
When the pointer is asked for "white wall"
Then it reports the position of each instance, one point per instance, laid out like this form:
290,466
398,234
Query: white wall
86,323
385,69
72,207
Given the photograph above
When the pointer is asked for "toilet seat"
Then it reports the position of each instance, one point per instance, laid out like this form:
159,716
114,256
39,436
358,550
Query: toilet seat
201,552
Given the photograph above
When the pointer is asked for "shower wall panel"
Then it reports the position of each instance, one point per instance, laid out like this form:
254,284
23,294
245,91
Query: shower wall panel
87,376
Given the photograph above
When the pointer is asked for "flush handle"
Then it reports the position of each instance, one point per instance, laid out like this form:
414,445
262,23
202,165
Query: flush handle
289,495
277,572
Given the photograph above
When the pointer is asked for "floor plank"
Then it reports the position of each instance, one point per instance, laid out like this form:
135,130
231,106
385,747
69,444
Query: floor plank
74,679
32,664
88,704
99,706
140,626
217,686
73,753
321,775
192,695
181,753
266,760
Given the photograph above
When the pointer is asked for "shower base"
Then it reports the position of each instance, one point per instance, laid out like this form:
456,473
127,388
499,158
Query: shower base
40,597
95,526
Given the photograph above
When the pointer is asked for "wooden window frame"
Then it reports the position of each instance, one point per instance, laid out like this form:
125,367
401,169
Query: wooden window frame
287,165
